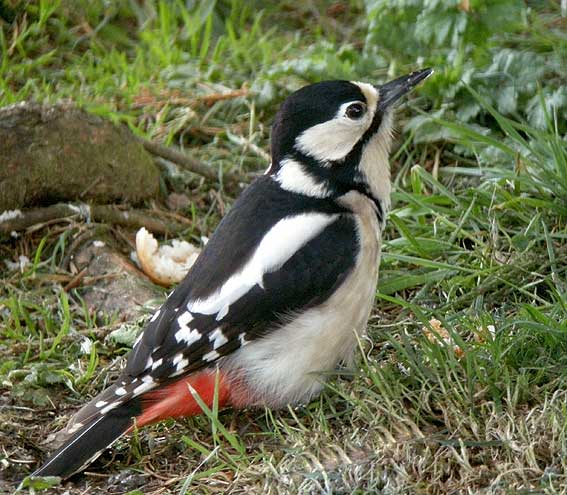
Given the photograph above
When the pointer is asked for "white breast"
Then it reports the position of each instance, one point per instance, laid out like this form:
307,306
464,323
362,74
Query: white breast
289,365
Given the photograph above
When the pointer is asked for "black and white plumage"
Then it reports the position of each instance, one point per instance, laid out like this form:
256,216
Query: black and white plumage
284,285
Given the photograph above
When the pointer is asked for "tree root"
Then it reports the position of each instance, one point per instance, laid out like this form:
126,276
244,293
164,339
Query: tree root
188,163
17,220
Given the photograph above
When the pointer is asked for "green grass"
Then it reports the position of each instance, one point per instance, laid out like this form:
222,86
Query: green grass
477,240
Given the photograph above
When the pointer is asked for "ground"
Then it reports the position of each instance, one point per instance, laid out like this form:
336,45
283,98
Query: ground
460,384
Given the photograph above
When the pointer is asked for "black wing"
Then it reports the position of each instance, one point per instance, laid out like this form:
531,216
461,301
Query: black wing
179,341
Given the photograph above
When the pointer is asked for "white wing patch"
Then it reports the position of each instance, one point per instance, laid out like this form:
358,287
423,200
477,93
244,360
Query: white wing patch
223,312
188,335
185,333
242,339
211,356
149,362
180,364
217,338
279,244
184,319
144,387
138,339
157,363
110,407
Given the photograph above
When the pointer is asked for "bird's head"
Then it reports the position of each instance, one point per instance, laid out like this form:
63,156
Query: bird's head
334,136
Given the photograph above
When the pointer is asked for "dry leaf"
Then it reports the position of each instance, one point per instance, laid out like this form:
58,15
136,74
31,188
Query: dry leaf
441,333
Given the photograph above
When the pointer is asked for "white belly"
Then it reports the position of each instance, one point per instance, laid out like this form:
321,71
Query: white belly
289,364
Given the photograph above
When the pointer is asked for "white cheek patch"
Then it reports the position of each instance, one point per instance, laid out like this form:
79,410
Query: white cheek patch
292,177
279,244
332,140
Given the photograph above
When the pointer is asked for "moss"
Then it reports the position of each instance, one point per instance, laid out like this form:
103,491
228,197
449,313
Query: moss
58,153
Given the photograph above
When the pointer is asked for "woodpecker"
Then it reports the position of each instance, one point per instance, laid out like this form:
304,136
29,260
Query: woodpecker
283,287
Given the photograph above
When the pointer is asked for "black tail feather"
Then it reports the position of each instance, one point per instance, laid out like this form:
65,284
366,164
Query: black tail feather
84,446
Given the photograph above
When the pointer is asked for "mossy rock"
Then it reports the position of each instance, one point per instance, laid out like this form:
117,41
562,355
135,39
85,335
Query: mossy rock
51,153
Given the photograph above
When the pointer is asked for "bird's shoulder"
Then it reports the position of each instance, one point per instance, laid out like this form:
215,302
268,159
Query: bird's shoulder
258,210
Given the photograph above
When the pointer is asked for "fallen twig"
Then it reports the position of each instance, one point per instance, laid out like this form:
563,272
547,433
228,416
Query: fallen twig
229,95
146,98
188,163
98,213
76,280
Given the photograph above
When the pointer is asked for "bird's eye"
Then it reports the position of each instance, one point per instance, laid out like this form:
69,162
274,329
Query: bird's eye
355,111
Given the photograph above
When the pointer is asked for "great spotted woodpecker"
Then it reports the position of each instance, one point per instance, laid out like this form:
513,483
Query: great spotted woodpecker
282,288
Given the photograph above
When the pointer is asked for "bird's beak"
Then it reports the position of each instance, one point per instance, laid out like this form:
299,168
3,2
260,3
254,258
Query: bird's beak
392,91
